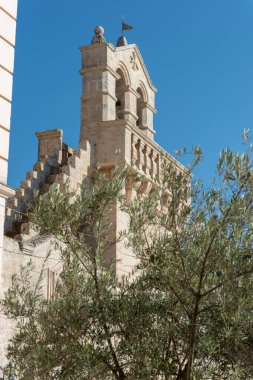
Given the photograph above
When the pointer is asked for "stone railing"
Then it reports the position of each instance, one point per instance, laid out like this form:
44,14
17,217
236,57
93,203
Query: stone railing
145,158
148,157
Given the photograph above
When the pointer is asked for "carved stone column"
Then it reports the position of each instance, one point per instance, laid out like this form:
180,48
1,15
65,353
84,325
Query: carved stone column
147,119
130,110
136,151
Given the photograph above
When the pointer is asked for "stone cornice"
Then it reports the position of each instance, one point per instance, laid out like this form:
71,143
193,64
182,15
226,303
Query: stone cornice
128,112
138,96
51,133
97,46
111,95
88,69
92,46
107,124
6,191
98,95
146,128
132,90
148,105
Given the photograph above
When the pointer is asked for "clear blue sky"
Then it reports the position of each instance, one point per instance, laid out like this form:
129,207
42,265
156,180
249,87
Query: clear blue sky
199,54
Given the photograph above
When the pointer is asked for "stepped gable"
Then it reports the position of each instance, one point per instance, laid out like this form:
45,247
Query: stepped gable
57,165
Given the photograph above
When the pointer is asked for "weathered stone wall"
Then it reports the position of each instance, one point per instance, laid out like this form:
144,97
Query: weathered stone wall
58,165
13,259
111,75
114,133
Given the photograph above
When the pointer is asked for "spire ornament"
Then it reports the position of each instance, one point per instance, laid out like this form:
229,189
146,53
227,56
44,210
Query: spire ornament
125,26
98,38
122,41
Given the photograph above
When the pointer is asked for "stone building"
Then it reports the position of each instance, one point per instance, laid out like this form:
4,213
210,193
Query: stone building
8,16
117,110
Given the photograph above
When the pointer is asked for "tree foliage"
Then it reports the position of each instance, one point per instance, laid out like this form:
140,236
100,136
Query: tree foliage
185,313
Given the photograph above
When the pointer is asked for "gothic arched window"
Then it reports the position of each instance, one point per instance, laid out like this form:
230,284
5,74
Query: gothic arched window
120,95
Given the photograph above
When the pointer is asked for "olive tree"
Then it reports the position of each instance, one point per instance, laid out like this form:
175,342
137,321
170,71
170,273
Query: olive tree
186,310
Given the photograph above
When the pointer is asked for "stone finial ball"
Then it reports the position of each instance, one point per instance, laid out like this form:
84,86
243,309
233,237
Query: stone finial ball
99,30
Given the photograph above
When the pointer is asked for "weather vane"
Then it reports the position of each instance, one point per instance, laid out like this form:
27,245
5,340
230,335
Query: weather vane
125,26
122,41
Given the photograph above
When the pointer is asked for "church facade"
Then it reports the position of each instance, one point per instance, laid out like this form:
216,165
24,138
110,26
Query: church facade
117,110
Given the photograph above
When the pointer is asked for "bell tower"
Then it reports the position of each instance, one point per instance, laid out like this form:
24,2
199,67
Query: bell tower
115,86
117,110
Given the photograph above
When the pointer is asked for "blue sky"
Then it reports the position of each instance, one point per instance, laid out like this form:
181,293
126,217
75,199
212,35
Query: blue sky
199,54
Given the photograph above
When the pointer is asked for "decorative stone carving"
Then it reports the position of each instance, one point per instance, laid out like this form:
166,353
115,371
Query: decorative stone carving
98,38
133,61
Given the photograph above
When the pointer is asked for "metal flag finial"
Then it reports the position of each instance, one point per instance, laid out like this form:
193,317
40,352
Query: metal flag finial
125,26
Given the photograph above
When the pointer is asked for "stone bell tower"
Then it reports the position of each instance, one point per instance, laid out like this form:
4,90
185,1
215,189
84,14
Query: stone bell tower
117,109
115,86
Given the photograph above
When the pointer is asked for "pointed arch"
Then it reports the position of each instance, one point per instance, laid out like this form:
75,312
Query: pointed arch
141,101
120,89
122,67
143,89
122,84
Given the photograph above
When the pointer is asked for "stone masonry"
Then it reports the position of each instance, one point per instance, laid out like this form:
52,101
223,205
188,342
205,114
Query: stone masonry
117,109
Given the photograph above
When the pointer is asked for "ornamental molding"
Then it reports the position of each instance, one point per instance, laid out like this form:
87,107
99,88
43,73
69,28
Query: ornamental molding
6,191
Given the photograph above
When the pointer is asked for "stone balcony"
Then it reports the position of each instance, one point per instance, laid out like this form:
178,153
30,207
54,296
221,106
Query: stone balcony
119,143
147,157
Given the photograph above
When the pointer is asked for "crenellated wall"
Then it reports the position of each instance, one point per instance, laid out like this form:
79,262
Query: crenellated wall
57,165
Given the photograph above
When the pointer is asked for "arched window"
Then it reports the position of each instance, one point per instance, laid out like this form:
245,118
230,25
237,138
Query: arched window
140,105
120,95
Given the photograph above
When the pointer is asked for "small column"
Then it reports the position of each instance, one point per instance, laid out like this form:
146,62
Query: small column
130,109
147,119
156,167
135,150
149,169
143,156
